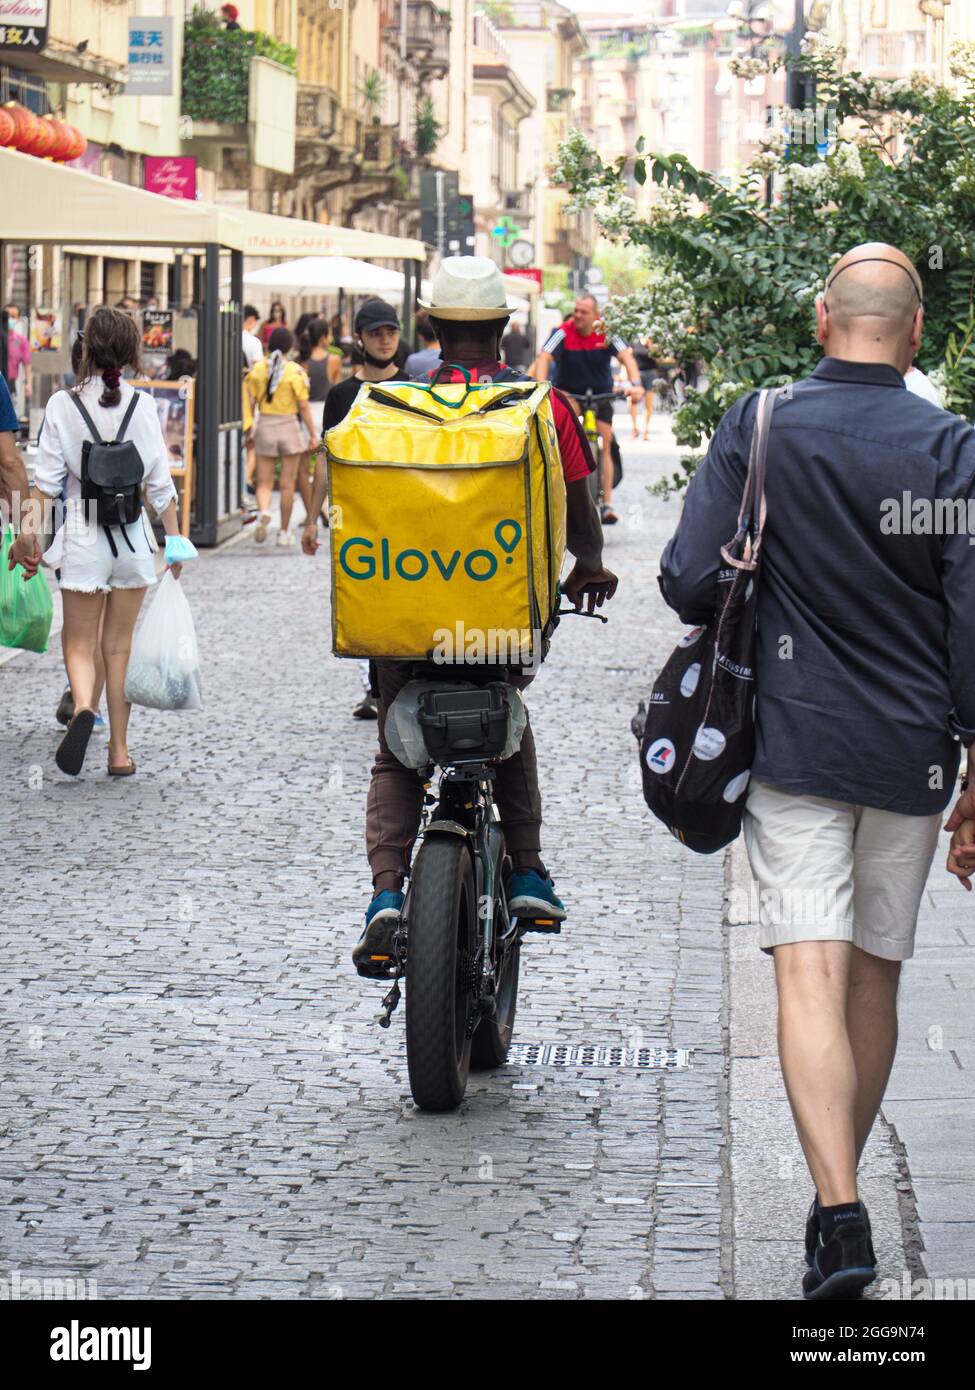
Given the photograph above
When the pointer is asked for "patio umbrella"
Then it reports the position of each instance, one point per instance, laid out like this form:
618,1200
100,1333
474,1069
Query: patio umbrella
318,274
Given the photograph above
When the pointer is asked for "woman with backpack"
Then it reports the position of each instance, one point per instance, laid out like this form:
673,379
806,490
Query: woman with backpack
323,369
279,389
102,429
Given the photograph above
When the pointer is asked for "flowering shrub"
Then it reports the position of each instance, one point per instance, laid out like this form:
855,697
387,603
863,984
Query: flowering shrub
733,281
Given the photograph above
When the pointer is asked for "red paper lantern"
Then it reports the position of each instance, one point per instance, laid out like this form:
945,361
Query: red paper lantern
64,140
45,138
25,131
79,143
7,127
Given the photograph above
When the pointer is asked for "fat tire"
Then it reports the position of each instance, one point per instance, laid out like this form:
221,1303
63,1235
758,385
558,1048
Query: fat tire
492,1037
442,890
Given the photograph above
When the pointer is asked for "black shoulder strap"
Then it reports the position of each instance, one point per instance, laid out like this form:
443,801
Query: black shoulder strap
127,417
72,395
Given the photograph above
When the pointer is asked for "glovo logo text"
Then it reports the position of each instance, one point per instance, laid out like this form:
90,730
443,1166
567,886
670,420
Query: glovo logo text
362,558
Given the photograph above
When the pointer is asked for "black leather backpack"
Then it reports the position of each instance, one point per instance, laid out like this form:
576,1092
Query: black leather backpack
111,475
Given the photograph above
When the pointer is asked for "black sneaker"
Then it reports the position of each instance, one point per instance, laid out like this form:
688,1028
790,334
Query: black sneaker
812,1231
844,1264
65,710
366,709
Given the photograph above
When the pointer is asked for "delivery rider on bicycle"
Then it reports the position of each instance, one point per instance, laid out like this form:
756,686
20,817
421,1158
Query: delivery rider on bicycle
583,355
469,312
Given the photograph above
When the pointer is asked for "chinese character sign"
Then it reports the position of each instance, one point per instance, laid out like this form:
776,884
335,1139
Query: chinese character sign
174,176
23,25
150,60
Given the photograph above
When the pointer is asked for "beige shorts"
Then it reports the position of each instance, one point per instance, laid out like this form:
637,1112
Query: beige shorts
831,871
283,435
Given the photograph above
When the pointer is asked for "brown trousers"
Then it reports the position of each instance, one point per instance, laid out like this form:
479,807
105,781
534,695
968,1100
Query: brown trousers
396,792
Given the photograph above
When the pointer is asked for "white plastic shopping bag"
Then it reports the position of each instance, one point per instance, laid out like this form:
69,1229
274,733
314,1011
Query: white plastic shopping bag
164,668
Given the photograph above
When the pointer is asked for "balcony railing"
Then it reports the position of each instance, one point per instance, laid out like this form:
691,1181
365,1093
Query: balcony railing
428,37
378,145
318,111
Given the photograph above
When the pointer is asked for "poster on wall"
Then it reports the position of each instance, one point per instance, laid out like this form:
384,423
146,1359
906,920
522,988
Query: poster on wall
157,330
150,56
174,176
174,406
45,330
23,25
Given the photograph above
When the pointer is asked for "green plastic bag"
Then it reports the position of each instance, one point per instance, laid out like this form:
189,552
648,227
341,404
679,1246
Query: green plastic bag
26,608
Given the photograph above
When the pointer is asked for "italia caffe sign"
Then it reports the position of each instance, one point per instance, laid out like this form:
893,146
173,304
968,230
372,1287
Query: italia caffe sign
23,25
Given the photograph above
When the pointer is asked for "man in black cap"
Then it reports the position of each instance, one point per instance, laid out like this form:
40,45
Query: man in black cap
377,330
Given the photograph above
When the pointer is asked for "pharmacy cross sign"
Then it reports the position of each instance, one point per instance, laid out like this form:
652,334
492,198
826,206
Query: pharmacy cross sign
506,232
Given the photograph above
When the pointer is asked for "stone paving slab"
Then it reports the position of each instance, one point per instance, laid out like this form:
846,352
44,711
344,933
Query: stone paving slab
196,1102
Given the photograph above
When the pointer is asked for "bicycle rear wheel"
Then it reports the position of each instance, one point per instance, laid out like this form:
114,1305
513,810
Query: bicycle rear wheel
441,973
492,1037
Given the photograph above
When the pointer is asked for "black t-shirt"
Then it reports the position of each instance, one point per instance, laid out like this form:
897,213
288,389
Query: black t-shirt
341,398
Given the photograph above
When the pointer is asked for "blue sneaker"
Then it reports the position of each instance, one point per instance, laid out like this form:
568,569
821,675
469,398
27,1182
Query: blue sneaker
531,896
373,954
100,725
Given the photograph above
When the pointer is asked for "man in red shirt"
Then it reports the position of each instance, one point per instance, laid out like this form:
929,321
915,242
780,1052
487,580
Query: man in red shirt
469,312
582,355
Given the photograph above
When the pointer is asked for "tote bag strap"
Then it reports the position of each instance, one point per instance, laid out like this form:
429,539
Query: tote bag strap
751,517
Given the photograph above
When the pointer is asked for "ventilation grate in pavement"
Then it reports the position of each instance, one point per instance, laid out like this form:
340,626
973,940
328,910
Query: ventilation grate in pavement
592,1055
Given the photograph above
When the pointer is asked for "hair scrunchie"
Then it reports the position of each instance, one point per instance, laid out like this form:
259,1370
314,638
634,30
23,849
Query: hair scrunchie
111,377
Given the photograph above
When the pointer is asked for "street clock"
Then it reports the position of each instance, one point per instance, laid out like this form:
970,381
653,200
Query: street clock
521,253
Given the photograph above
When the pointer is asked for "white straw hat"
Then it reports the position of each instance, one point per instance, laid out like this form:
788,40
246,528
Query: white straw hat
468,287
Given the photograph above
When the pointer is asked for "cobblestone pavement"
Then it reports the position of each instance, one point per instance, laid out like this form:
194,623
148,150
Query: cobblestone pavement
197,1101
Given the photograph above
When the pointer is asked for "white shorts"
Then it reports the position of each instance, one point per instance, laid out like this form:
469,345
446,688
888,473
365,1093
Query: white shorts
87,563
832,871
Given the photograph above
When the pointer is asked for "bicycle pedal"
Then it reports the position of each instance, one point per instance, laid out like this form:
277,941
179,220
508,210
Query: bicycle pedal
542,924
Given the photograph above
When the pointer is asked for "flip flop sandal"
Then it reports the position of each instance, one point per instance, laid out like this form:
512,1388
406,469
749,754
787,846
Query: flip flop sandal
127,771
70,755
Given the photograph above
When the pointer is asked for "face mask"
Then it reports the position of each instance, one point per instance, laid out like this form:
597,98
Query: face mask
378,362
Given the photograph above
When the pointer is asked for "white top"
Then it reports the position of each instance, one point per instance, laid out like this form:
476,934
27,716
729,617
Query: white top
64,432
916,381
253,347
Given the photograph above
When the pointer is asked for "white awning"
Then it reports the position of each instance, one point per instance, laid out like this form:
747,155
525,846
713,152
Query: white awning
318,274
51,204
158,255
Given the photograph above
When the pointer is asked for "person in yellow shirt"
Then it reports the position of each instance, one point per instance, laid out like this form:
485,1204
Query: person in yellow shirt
278,388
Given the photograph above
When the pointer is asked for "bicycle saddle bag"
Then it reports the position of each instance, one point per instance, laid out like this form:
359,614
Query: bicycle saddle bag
465,726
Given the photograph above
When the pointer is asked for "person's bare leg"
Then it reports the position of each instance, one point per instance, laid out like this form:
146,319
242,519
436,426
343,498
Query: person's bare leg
121,612
818,1065
634,409
871,1022
265,481
79,639
289,473
647,412
605,438
304,481
99,666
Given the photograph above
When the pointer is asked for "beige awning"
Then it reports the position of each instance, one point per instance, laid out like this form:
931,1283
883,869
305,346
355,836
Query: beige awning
45,202
286,237
158,255
48,203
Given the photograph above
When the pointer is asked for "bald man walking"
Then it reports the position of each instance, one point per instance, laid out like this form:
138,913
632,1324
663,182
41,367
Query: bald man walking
865,693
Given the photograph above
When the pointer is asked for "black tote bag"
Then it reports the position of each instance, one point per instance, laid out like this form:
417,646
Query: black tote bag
699,738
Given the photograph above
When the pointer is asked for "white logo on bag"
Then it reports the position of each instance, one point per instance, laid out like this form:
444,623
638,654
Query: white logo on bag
691,677
691,637
736,786
709,743
660,755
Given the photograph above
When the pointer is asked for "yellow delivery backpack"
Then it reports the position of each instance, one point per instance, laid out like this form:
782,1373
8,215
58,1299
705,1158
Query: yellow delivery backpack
447,522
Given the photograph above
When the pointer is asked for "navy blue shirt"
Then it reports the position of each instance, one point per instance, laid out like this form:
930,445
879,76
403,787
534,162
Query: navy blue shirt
9,424
865,673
